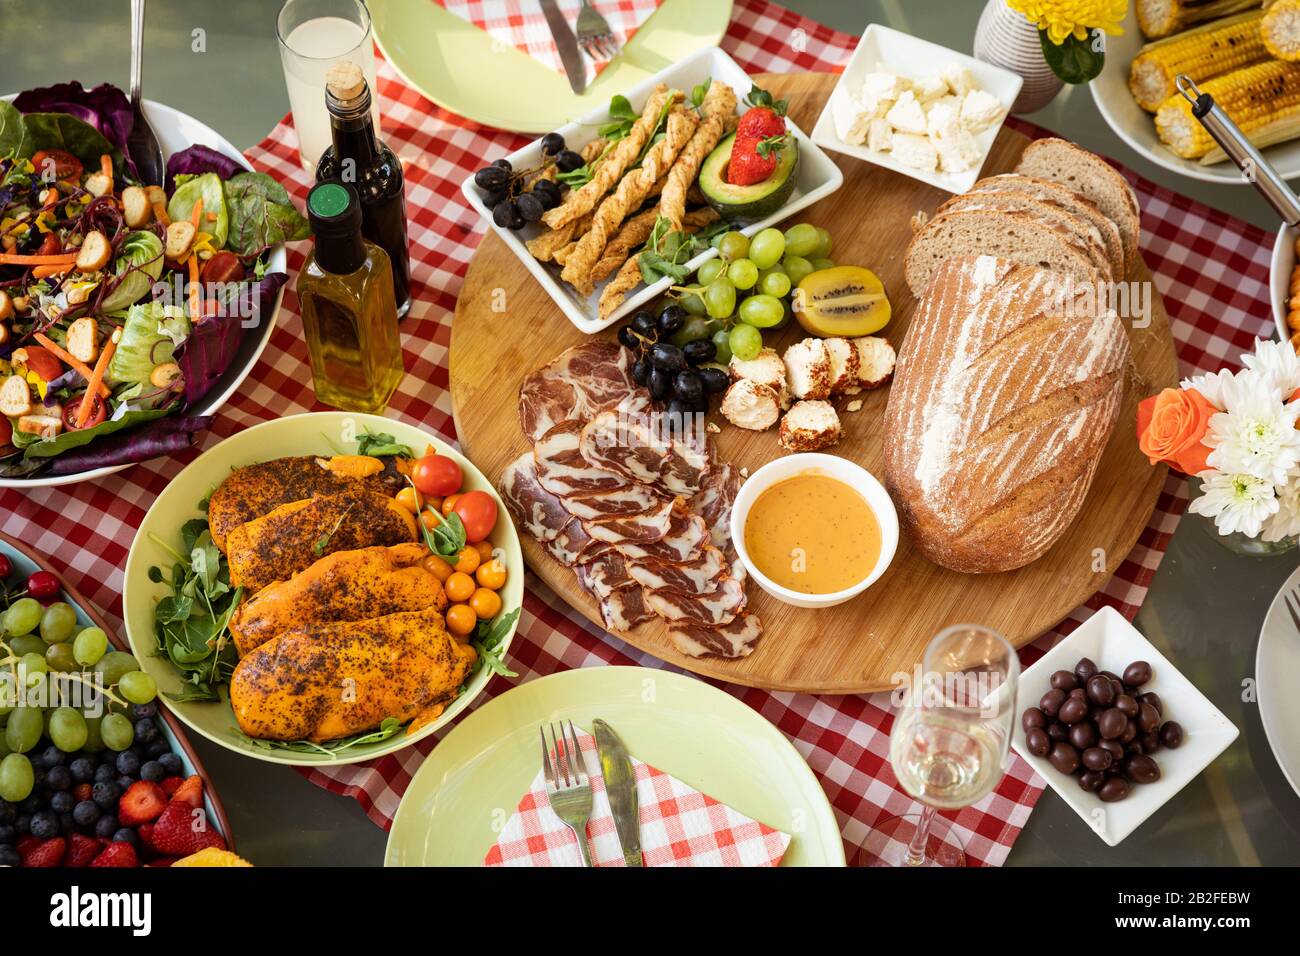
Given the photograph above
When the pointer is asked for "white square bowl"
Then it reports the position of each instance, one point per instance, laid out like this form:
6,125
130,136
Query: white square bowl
914,58
817,177
1112,643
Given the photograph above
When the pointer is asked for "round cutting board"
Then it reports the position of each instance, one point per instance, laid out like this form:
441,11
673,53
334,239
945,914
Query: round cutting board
859,646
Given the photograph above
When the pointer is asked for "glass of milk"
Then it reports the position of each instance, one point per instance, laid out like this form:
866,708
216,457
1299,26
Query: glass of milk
314,35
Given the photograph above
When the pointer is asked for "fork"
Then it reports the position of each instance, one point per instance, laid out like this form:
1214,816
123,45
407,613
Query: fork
568,788
594,35
1292,601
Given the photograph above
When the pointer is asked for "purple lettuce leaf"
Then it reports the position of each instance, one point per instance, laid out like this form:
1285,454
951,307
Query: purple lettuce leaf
166,436
105,107
213,343
199,159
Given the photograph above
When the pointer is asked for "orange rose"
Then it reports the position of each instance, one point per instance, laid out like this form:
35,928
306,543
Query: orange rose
1171,426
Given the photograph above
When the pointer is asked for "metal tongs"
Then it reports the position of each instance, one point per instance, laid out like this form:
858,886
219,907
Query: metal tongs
1254,167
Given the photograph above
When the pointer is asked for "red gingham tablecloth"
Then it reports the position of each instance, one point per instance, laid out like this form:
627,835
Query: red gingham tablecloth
1211,269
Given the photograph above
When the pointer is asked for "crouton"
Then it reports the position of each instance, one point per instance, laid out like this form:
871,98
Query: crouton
95,252
43,426
15,396
180,236
136,210
83,340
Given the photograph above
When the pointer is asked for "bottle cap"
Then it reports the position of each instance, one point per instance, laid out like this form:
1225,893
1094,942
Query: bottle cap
330,200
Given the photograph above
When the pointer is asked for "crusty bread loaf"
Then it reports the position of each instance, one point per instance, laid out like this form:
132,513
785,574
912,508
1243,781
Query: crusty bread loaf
1045,211
1016,236
1064,162
1075,202
1007,389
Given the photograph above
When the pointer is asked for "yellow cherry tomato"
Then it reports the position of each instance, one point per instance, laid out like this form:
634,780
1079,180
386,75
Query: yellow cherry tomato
484,549
486,604
431,519
491,574
448,504
461,619
436,566
459,586
409,499
467,560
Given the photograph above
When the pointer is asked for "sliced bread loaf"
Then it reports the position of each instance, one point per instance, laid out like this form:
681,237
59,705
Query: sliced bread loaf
1015,236
1084,172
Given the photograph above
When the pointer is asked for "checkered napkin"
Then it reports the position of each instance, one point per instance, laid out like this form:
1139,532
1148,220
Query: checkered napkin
521,23
679,826
1211,269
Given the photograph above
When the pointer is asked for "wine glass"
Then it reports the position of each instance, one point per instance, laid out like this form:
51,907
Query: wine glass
949,742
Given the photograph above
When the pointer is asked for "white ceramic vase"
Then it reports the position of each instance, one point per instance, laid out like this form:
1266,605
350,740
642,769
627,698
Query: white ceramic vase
1006,39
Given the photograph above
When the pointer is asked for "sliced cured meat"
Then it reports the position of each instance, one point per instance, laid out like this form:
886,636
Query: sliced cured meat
604,574
535,510
629,501
689,577
627,445
735,639
579,384
624,609
714,500
562,469
713,609
645,528
685,468
685,536
573,545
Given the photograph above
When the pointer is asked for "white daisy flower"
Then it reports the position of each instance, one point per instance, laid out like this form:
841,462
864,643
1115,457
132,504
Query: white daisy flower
1286,522
1255,434
1278,361
1210,385
1235,502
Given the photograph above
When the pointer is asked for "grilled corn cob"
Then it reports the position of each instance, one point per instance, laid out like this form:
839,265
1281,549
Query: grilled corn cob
1207,51
1161,18
1264,100
1280,30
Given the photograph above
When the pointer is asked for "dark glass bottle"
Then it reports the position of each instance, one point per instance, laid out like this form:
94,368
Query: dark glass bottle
359,159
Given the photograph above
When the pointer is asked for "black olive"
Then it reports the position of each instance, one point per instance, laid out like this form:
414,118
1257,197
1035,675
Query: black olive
641,372
506,215
687,386
504,164
491,177
714,380
644,323
668,357
568,161
699,351
627,336
671,319
660,382
552,143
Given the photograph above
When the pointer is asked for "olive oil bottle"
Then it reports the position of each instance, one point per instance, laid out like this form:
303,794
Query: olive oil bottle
358,158
349,316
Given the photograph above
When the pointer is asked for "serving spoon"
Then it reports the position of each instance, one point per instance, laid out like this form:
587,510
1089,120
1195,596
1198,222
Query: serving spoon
142,144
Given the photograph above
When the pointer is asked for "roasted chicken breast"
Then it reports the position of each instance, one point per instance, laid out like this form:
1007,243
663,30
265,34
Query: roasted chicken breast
294,536
343,586
259,489
326,681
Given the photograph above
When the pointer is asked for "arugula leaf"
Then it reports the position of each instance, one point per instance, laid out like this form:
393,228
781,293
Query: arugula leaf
447,538
379,444
389,727
487,640
700,91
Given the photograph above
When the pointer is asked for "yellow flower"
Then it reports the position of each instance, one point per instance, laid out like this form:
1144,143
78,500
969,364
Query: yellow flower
1064,18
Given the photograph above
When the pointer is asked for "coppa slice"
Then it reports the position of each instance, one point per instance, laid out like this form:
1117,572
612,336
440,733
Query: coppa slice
579,383
734,639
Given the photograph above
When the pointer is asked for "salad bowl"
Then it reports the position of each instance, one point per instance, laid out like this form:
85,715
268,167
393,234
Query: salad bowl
177,131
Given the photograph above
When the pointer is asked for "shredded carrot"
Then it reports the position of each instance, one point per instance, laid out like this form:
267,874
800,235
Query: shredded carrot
196,214
196,298
14,259
44,272
106,166
97,379
70,360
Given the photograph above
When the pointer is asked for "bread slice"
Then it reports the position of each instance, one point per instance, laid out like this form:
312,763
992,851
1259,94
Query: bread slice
1064,162
1015,236
1075,202
1045,210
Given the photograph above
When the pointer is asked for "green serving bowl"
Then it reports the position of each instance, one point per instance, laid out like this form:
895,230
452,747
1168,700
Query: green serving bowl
316,433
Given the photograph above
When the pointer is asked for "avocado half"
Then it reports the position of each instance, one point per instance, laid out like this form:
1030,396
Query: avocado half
747,202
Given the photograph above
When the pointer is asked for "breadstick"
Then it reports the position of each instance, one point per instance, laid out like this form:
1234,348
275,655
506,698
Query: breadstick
719,102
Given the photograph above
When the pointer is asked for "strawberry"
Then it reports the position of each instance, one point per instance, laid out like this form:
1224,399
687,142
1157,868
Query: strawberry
183,829
753,160
764,119
82,791
27,844
142,802
145,832
171,785
191,791
82,850
117,854
46,853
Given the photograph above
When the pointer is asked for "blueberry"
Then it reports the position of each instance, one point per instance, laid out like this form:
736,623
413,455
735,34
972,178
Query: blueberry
171,763
568,161
32,804
106,826
124,783
9,856
552,143
128,763
23,824
8,833
156,748
82,769
105,773
106,795
146,729
124,835
45,825
153,771
58,778
144,710
53,757
86,813
62,802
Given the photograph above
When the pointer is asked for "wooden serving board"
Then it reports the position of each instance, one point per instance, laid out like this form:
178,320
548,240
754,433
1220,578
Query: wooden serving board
858,646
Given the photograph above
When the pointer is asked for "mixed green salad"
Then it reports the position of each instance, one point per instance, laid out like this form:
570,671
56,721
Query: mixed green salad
121,302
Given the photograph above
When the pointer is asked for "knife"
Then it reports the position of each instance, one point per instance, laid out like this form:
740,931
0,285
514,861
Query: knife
567,45
620,787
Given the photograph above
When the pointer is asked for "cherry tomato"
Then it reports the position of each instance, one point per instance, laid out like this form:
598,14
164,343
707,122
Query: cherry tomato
64,165
486,604
484,549
459,586
491,575
461,619
478,512
449,504
436,475
467,560
98,413
431,519
51,245
436,566
409,499
42,585
6,567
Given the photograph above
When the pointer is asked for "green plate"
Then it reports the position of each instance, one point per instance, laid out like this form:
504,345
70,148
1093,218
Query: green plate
309,434
464,69
453,809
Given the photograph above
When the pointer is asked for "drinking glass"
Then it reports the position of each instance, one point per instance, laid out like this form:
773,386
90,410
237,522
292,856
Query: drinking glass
314,35
949,742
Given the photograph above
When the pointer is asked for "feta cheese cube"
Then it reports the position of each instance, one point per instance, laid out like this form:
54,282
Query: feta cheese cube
850,119
959,79
944,117
880,136
915,151
906,115
957,150
930,88
980,110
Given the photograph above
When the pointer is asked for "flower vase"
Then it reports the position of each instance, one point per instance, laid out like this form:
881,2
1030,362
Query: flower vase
1006,39
1236,542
